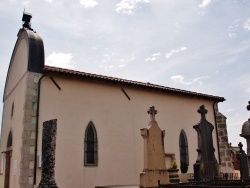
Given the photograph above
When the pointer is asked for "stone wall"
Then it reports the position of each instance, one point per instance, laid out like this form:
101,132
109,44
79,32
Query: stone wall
226,162
29,131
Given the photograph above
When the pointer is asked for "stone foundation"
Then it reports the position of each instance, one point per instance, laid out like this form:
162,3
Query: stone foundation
150,178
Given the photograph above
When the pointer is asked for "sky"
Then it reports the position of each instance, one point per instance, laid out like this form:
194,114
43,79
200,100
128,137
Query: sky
195,45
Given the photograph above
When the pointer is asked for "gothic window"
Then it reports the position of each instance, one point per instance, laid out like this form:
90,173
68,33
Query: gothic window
90,146
183,145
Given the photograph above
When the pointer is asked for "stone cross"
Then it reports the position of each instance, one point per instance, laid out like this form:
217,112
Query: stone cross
154,154
245,131
202,111
248,106
240,146
243,161
152,113
206,166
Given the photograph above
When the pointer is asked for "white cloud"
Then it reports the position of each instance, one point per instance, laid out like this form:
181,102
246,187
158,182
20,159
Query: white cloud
126,60
26,2
153,57
199,80
205,3
203,6
231,35
109,55
180,79
106,67
121,66
59,59
247,24
48,1
233,28
172,52
88,3
129,6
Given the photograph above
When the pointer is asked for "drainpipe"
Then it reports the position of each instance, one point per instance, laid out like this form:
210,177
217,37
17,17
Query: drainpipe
37,121
216,129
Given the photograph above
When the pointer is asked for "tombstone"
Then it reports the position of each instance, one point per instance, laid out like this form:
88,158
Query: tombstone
245,131
48,154
242,157
154,154
206,166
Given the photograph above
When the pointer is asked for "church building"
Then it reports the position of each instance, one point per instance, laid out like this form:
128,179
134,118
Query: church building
99,119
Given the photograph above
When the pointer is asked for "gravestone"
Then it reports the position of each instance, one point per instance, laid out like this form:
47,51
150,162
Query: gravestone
154,154
245,131
206,166
48,154
243,161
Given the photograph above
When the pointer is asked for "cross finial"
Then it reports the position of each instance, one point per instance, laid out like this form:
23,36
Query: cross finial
240,146
152,113
248,106
202,111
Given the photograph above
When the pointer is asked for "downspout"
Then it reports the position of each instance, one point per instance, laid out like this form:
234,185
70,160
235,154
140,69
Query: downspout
37,121
216,129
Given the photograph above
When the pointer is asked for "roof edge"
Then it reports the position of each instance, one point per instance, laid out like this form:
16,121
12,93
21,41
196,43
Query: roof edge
130,83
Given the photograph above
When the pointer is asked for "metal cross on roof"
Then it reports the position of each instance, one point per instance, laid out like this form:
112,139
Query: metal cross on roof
202,111
152,113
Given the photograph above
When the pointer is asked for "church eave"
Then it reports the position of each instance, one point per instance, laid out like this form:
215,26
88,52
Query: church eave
130,83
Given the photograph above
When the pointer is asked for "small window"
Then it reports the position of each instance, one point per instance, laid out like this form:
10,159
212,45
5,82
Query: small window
90,146
12,110
9,141
183,145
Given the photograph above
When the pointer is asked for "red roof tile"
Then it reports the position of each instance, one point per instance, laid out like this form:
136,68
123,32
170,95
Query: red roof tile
130,83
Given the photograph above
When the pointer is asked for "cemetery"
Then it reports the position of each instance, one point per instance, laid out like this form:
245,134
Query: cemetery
155,174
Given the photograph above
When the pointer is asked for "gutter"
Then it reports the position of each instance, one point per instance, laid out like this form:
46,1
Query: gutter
216,128
37,121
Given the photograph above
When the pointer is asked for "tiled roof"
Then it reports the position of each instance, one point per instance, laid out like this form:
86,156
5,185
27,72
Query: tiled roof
142,85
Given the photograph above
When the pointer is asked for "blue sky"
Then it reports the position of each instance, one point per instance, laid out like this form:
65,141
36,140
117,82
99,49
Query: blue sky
196,45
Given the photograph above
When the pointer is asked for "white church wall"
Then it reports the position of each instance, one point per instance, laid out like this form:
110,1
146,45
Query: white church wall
18,67
14,124
118,122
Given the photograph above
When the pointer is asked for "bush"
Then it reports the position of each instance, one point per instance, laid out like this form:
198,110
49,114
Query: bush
174,165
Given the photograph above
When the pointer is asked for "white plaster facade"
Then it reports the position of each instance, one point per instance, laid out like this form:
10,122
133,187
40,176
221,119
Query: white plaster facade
79,100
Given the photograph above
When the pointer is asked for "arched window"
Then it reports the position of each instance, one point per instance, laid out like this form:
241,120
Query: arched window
90,146
9,141
183,145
